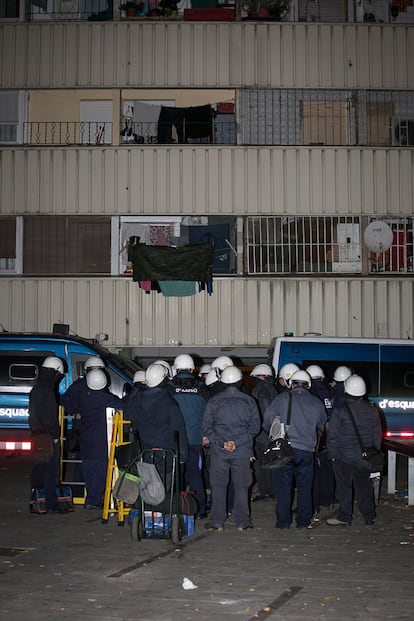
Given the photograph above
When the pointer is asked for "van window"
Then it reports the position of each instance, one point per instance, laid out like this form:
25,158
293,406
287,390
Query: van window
367,370
20,369
23,371
397,379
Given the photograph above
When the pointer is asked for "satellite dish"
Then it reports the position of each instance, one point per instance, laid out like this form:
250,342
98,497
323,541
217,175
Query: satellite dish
378,236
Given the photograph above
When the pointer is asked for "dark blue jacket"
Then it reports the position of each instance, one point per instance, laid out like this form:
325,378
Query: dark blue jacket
320,388
91,405
191,395
264,391
156,416
342,442
308,416
231,415
43,403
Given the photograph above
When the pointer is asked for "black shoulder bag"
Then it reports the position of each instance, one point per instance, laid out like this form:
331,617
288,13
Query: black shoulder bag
279,450
373,459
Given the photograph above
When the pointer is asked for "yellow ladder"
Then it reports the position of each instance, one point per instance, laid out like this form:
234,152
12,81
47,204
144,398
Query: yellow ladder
112,506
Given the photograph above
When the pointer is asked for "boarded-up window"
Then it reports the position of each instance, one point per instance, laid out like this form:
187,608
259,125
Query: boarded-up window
379,123
67,245
325,122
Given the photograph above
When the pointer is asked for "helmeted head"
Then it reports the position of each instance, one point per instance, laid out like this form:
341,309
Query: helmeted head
166,365
212,377
183,362
155,374
96,379
94,362
222,362
231,375
262,369
315,371
301,378
286,372
139,377
54,363
204,370
355,386
342,373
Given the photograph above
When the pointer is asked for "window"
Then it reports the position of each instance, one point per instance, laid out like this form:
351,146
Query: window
9,9
180,231
9,116
67,245
398,258
326,117
303,244
7,244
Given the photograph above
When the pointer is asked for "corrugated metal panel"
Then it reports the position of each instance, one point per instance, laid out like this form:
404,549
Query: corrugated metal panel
214,180
104,54
240,312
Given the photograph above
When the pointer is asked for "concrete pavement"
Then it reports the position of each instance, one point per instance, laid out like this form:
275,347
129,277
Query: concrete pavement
74,567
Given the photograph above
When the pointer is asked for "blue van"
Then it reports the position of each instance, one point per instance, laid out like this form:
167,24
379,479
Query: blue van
21,356
387,366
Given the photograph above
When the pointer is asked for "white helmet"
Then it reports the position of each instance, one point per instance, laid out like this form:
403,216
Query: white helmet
355,386
55,363
155,374
315,371
231,375
262,369
212,377
184,362
301,377
96,379
139,376
342,373
167,366
222,362
94,362
287,371
204,370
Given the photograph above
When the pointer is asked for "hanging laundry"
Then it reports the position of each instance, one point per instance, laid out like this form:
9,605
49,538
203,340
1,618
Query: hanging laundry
167,263
177,288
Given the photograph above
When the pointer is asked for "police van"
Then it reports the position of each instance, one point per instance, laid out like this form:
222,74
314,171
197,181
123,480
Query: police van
387,366
22,355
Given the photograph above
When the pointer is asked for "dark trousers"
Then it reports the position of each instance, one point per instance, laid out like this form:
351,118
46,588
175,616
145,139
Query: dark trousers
263,476
349,478
324,483
300,470
45,474
95,479
221,468
194,475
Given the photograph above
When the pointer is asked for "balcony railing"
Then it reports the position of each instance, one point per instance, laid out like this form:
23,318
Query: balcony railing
60,133
69,10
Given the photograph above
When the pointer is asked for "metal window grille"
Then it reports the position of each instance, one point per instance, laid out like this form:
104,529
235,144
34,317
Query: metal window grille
303,244
399,257
326,117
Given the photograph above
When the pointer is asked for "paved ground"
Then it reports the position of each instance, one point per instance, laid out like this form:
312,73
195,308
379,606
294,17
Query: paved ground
74,567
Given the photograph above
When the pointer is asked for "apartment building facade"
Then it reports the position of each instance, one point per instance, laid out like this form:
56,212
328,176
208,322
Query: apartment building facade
287,144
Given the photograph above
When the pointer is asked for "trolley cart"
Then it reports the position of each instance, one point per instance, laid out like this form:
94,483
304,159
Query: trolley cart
162,521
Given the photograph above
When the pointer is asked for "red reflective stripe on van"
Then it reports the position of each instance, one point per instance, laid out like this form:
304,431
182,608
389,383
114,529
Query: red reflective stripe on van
15,446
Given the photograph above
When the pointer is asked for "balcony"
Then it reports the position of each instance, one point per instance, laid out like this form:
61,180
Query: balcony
329,11
265,117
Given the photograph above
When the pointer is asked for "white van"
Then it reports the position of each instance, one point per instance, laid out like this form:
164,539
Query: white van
387,366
